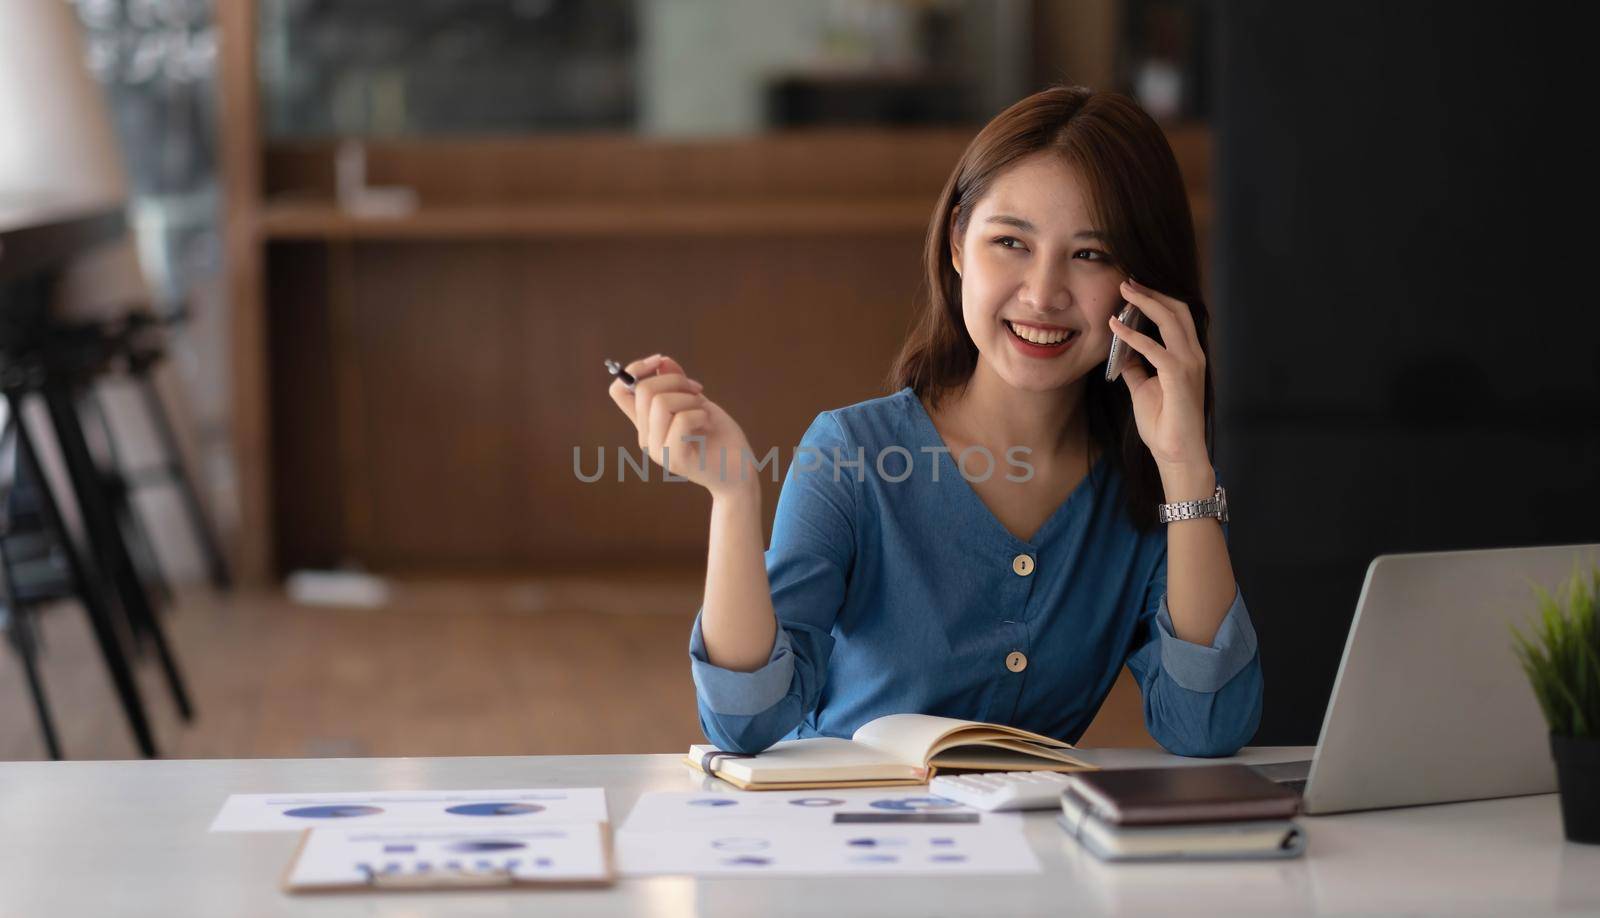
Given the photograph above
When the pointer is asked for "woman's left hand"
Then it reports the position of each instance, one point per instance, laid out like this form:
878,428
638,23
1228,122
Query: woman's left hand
1168,406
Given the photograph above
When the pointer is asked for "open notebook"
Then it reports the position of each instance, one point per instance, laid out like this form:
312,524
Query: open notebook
892,750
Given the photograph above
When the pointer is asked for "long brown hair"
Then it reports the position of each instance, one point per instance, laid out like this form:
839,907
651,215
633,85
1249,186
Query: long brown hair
1136,196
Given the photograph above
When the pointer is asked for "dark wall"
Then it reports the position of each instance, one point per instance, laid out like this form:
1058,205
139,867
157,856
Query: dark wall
1408,350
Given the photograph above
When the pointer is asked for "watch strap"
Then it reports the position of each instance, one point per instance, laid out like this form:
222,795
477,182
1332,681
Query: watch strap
1213,507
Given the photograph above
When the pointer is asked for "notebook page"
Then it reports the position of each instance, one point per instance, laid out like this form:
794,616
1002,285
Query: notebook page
909,738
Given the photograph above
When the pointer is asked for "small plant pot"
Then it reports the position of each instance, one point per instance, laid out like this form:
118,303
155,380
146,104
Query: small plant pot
1578,779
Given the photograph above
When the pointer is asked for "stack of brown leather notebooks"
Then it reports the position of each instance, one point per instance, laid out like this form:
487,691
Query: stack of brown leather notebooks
1208,812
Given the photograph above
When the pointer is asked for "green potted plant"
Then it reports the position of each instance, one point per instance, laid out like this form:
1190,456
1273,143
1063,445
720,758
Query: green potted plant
1562,660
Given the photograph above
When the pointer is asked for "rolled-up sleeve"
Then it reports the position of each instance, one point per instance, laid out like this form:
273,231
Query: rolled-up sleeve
1199,699
1202,667
730,693
808,564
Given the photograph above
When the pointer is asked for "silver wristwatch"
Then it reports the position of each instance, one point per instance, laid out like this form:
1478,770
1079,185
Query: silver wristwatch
1214,507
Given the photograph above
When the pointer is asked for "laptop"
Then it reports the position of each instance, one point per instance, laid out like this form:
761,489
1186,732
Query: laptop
1430,704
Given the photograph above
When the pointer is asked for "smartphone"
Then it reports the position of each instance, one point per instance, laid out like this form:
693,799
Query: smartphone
1121,353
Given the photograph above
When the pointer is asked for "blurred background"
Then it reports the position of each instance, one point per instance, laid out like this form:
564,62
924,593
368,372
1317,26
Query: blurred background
303,305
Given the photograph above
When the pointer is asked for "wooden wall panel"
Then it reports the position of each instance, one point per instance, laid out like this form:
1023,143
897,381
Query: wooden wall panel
480,369
304,427
437,346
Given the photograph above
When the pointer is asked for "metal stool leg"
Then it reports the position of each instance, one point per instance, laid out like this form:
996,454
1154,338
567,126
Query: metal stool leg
101,526
22,636
141,547
22,640
210,545
88,591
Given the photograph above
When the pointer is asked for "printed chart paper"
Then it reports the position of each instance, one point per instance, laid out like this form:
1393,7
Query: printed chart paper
673,811
339,857
830,832
477,809
828,851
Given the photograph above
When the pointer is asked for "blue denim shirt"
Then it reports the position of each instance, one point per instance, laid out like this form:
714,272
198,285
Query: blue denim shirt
909,596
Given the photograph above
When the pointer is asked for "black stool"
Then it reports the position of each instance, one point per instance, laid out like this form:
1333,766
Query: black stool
44,359
60,363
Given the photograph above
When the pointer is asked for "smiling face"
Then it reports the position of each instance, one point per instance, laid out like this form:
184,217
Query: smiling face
1037,279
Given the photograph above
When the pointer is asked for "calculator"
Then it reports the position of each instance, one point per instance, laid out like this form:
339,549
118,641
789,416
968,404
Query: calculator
1002,790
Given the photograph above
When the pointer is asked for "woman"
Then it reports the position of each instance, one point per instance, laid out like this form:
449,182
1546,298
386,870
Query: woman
909,573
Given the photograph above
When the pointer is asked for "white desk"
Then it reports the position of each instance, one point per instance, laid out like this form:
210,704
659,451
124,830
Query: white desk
129,838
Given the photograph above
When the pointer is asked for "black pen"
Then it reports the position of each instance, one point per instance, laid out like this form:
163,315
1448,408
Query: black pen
615,369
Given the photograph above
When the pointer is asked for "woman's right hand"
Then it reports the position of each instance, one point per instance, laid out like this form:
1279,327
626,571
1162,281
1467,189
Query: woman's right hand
666,406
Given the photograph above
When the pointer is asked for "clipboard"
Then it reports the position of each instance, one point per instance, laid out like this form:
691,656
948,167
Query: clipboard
364,878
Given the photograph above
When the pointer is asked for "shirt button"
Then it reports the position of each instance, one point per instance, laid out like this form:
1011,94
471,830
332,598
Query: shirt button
1016,662
1022,564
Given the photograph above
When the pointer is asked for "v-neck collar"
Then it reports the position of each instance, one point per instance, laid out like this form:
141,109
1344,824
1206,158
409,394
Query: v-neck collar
931,437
